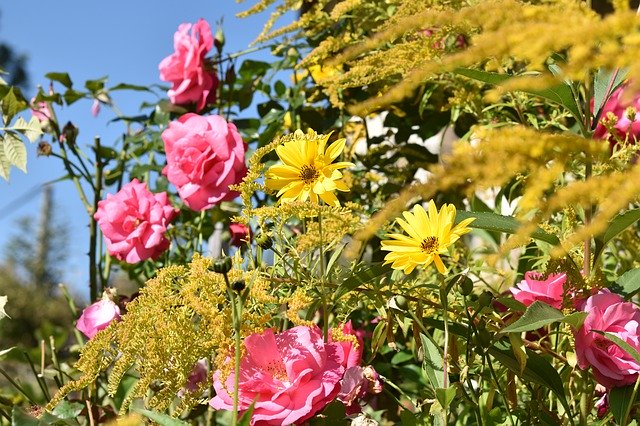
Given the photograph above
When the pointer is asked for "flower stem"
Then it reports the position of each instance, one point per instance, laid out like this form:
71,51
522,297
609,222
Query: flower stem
93,231
445,319
325,307
236,314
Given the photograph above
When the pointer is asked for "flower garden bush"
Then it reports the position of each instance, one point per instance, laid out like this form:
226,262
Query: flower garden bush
374,269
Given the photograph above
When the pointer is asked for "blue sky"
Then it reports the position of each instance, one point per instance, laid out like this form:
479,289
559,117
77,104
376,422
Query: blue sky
124,40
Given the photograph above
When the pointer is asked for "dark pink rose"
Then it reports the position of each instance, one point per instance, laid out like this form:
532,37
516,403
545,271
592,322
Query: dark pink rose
356,384
291,376
205,155
97,317
352,352
196,377
534,287
186,68
134,222
240,234
611,365
628,122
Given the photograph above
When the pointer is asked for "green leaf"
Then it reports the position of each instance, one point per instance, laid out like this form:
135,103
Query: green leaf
537,370
5,164
379,336
15,151
519,351
359,277
68,410
604,84
31,129
71,96
20,418
498,223
445,396
432,363
6,351
633,353
11,105
3,303
628,284
245,420
537,315
60,77
620,223
407,418
560,94
575,319
125,86
620,402
95,85
160,418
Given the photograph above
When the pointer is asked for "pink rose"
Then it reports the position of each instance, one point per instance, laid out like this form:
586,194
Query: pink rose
134,222
533,288
41,111
97,317
352,353
240,234
291,376
205,155
357,383
611,365
628,121
186,68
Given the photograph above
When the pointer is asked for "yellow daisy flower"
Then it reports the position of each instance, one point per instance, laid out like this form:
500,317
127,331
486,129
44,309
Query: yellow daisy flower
308,172
430,235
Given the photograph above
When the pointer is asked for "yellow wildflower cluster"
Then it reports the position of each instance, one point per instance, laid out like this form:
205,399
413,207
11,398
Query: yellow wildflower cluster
180,317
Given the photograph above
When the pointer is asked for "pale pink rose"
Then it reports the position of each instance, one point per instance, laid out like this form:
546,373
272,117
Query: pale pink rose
41,111
291,376
534,287
205,155
95,108
352,353
627,124
186,67
134,222
240,234
97,317
611,365
356,384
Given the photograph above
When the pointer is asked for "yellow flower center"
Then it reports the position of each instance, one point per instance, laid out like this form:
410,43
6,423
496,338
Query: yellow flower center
308,174
429,245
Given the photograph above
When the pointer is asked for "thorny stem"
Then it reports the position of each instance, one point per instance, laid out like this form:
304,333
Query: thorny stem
93,231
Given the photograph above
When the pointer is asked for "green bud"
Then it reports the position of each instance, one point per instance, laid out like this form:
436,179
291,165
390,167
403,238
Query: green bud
222,265
483,338
465,285
401,302
264,240
238,285
484,299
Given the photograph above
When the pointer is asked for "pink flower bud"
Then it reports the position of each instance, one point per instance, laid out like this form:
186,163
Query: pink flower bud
97,317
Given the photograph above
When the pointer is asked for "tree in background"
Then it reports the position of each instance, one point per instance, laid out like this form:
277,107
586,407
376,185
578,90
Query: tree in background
15,65
32,268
